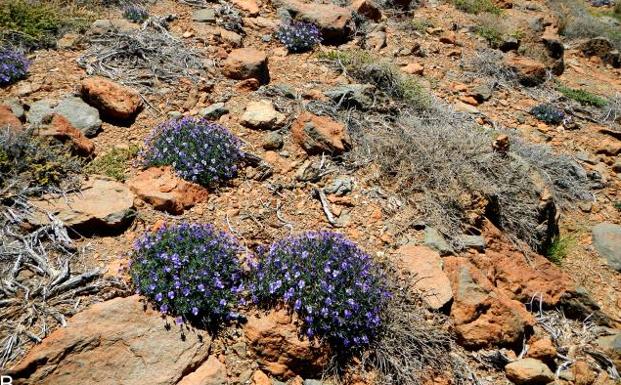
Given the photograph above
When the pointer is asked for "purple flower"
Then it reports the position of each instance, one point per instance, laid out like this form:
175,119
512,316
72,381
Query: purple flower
198,150
135,13
299,36
189,269
13,66
329,282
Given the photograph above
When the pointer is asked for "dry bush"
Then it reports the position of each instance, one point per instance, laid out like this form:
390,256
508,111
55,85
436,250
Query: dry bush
612,114
488,63
448,161
142,58
413,344
575,22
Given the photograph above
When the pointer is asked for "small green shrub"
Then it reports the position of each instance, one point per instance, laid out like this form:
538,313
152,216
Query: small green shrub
113,163
421,25
559,249
477,6
617,205
491,34
36,23
582,96
384,75
32,163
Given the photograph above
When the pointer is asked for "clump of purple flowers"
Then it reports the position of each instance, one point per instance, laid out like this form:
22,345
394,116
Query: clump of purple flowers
13,66
332,285
191,271
198,150
299,36
135,13
549,114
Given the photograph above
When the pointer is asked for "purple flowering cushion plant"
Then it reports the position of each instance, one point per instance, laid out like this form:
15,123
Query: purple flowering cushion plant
198,150
13,66
299,36
189,270
332,285
135,13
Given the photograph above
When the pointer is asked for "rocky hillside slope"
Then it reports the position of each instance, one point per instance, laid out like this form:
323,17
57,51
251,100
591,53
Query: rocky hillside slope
401,192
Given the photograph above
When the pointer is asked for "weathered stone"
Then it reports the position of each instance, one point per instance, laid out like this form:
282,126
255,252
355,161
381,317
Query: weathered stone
233,39
272,141
529,371
607,242
413,68
375,40
542,349
608,146
435,240
317,134
206,15
61,129
361,96
114,342
211,372
40,110
523,279
8,119
483,316
612,346
16,107
582,373
334,22
81,116
111,99
103,26
262,115
260,378
215,111
274,339
101,205
161,188
425,266
368,9
246,63
249,6
509,43
482,92
529,72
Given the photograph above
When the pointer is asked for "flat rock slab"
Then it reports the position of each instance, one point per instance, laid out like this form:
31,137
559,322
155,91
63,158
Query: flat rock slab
102,205
111,99
425,265
160,187
607,242
121,342
206,15
81,116
529,371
